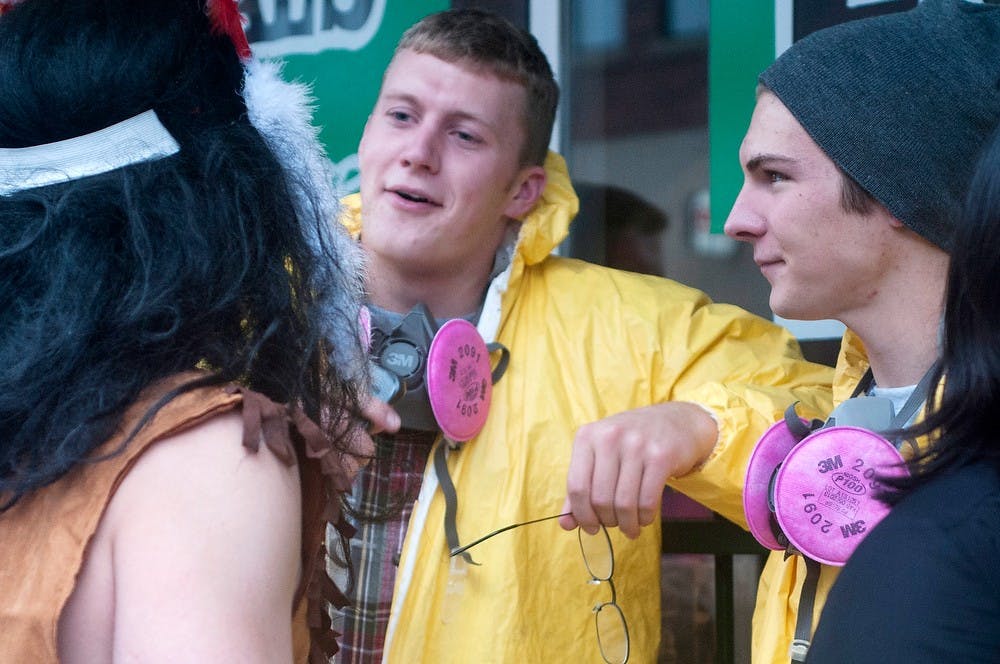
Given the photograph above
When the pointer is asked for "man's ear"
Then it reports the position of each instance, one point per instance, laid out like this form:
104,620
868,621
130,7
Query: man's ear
526,191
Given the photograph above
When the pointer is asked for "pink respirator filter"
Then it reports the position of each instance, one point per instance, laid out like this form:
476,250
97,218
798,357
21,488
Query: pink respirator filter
825,493
459,381
771,450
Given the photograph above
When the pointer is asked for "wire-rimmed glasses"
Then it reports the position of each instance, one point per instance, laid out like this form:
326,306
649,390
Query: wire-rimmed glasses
599,559
612,630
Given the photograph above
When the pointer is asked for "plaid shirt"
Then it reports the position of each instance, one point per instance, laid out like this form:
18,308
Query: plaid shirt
383,498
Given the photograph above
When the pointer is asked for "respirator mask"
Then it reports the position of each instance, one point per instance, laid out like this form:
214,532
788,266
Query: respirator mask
813,490
436,378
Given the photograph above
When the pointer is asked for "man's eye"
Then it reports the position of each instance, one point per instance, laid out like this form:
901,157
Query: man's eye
775,176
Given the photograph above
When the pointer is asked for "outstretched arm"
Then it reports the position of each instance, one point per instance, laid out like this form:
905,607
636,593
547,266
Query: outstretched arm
720,378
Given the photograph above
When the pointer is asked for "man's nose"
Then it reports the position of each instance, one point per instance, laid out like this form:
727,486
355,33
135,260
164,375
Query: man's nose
744,222
422,150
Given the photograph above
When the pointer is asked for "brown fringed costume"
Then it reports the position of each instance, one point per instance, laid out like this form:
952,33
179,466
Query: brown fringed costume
44,536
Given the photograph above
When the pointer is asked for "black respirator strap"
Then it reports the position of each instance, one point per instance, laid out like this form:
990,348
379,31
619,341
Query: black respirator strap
864,384
795,425
501,368
807,602
450,499
916,400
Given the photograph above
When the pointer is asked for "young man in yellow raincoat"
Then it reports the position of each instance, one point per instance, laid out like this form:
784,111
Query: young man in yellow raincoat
856,161
638,380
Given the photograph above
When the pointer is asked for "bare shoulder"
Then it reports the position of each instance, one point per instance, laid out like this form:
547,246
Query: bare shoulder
204,537
205,462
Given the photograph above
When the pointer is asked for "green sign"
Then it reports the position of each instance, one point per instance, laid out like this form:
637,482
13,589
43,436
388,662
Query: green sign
741,45
341,48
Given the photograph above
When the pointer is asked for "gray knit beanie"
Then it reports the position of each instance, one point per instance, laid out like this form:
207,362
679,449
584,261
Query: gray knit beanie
902,102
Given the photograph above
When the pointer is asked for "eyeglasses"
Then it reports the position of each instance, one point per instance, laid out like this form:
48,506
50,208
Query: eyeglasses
599,559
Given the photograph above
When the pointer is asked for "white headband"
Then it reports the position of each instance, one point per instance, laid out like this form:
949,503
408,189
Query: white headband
138,139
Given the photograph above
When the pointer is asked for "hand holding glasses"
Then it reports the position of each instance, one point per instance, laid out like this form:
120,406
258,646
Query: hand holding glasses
599,558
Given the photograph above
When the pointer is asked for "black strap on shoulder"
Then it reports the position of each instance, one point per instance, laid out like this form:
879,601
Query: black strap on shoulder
864,384
803,623
916,400
450,500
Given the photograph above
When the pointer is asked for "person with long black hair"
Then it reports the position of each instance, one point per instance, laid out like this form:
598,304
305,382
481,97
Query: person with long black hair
180,355
924,586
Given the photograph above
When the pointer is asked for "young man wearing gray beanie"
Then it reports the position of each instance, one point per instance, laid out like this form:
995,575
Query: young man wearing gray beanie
858,154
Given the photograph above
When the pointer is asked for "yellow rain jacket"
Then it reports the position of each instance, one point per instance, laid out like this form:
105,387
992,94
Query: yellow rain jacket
585,342
780,586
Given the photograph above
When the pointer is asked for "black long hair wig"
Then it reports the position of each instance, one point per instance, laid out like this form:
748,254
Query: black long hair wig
200,260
